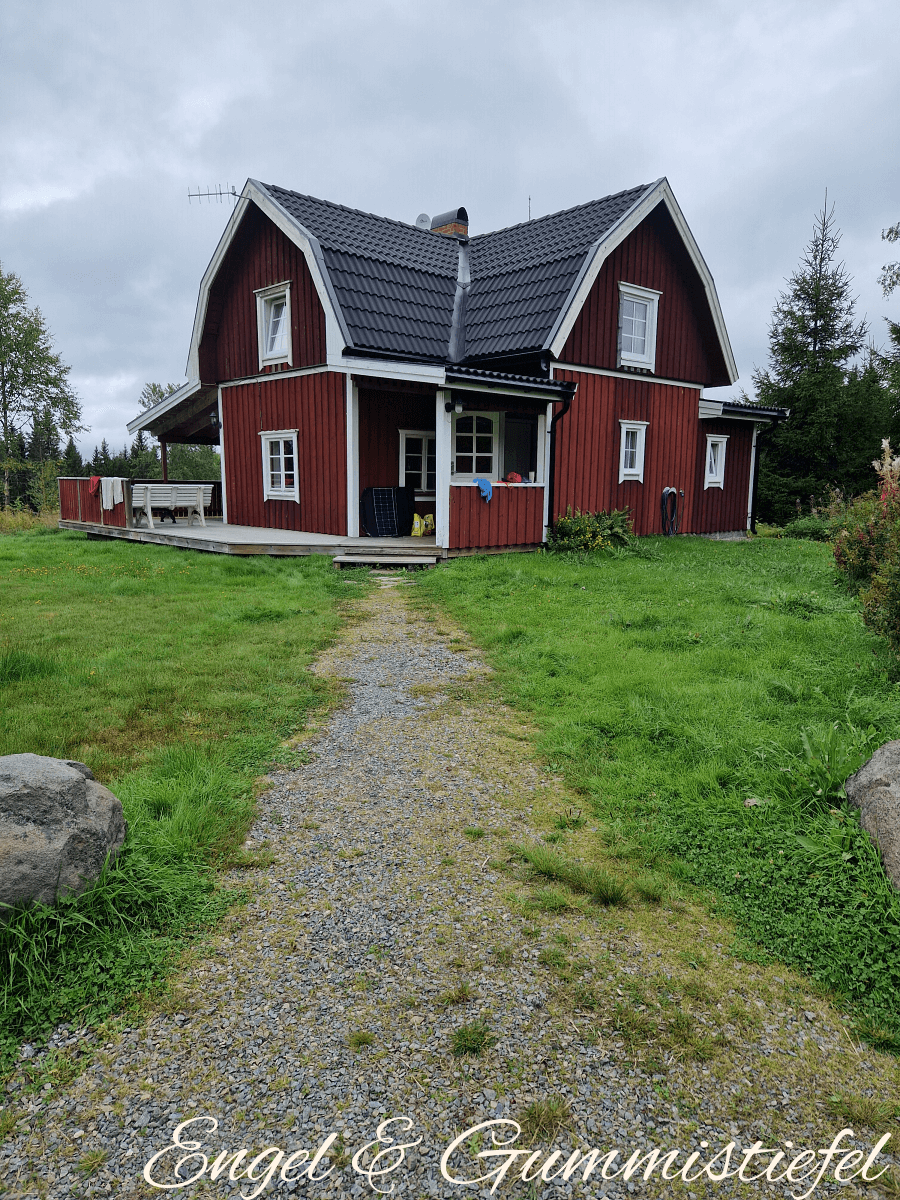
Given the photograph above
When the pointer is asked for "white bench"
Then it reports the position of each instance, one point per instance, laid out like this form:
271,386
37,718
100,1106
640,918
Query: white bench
166,497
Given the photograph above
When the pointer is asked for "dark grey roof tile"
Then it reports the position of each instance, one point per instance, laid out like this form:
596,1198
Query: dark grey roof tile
395,283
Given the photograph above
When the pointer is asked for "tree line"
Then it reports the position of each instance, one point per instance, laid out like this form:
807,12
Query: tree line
40,414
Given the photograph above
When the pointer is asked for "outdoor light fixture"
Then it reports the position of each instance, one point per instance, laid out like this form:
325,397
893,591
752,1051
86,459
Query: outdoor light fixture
214,421
453,406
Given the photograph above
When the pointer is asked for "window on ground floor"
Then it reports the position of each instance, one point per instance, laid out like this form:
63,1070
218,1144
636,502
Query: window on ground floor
418,460
279,463
632,437
475,446
714,475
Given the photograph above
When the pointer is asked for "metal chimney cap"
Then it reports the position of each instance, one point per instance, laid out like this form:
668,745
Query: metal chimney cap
453,217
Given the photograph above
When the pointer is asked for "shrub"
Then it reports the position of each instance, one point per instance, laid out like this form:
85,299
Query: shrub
582,532
867,550
870,527
814,528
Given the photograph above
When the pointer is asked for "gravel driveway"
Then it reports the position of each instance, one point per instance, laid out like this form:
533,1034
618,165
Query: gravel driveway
391,921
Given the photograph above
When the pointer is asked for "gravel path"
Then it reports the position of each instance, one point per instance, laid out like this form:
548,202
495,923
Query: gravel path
387,920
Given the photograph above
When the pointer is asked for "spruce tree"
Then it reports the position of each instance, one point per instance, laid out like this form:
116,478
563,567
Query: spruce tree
838,416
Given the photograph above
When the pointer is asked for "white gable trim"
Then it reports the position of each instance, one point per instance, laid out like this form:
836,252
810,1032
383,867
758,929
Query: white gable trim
336,334
149,415
659,192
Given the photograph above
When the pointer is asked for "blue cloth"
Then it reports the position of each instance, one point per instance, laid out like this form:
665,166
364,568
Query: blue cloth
486,490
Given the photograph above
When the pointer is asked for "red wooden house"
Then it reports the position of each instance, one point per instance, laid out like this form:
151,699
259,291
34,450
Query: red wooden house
334,351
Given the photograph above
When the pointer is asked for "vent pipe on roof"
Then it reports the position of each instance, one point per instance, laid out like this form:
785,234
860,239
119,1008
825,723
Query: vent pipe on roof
454,222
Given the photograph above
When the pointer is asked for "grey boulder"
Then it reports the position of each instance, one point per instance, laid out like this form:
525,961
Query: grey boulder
57,828
875,791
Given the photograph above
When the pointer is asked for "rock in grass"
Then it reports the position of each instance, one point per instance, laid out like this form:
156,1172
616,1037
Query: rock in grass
875,791
57,827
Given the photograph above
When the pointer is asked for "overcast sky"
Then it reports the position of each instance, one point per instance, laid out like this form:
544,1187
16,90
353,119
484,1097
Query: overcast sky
111,111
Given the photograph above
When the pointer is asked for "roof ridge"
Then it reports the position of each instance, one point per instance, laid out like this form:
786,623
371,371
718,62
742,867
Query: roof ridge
359,212
640,187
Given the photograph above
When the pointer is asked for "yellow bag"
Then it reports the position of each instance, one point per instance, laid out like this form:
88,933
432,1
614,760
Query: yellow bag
418,526
429,523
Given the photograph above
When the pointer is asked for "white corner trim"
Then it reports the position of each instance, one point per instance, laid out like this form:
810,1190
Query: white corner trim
600,251
637,471
271,435
752,469
547,448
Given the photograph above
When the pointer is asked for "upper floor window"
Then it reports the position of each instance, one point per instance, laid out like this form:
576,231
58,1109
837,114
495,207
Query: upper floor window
279,464
273,324
418,460
631,450
637,326
714,475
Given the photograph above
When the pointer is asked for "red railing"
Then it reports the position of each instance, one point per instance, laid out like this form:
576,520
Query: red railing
77,504
514,516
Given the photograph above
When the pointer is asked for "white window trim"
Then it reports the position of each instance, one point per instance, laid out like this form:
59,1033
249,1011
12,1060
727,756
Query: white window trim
717,480
424,493
265,297
279,435
626,358
637,472
469,476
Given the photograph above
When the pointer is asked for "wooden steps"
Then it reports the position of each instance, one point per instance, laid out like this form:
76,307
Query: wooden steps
384,558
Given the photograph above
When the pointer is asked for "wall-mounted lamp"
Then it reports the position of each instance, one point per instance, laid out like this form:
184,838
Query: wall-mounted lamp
214,421
453,406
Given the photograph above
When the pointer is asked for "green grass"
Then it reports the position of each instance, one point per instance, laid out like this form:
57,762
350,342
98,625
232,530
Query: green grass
671,687
176,677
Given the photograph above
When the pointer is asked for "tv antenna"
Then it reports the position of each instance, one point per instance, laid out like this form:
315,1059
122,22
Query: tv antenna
218,193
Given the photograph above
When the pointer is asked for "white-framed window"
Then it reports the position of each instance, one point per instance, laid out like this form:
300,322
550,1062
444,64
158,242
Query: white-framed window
279,463
475,446
273,324
637,326
633,435
714,475
418,460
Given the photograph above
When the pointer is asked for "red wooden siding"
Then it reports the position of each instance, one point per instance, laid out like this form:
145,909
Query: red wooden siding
653,256
313,404
90,510
260,255
721,510
587,444
514,516
382,414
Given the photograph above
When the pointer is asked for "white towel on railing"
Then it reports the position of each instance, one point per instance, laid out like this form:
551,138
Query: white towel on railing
111,491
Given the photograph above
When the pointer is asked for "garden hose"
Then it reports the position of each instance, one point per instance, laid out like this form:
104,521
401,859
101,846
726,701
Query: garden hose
669,511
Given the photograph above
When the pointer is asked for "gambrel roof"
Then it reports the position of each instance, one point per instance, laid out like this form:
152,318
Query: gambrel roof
400,291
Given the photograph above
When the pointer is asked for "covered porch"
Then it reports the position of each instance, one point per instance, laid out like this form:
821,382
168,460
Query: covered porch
476,453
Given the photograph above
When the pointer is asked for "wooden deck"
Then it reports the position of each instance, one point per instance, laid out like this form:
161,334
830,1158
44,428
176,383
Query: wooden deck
246,539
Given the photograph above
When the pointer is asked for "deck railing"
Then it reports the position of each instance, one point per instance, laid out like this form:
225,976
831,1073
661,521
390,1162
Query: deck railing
514,516
77,504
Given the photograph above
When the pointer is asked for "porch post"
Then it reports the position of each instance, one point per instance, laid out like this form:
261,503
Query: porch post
352,458
164,459
545,449
443,450
222,462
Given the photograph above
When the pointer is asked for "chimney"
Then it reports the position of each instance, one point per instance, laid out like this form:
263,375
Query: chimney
454,223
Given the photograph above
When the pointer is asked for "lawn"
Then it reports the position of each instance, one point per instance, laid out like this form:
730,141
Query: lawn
176,677
708,699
